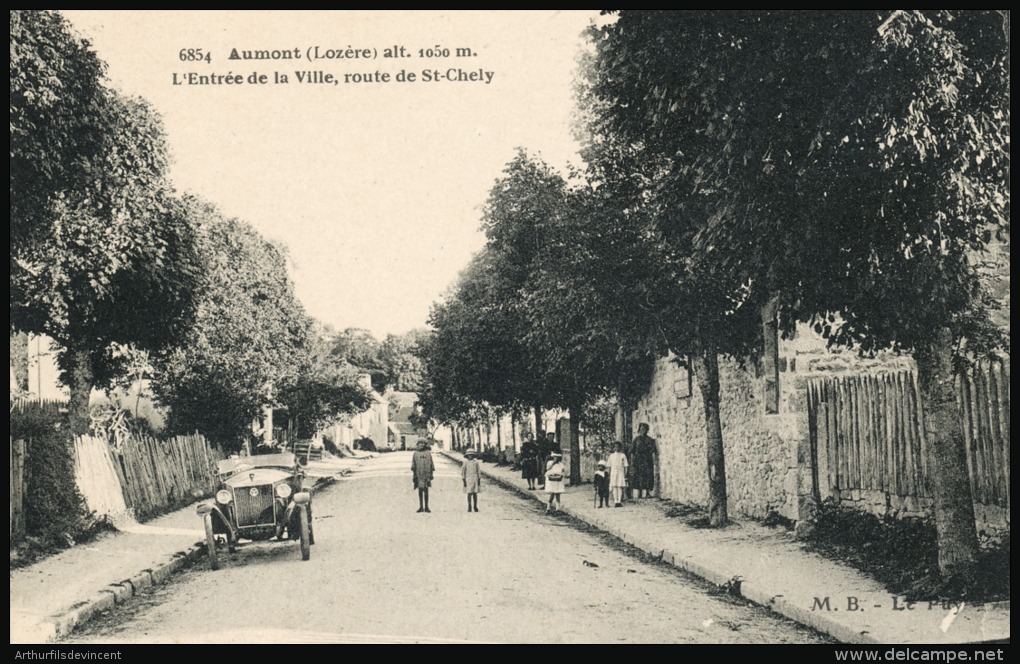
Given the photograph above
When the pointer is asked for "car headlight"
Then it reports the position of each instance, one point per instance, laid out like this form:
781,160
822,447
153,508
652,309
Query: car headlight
283,490
223,497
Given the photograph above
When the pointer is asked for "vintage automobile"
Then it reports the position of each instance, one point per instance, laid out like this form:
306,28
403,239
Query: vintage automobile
260,497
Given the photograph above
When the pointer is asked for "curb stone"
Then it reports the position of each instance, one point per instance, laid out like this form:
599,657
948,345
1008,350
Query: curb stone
141,581
162,573
103,600
121,592
116,594
820,622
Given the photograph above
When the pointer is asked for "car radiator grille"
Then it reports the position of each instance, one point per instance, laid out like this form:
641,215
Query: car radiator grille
254,510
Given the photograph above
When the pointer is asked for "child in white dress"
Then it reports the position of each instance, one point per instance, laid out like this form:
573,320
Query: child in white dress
554,474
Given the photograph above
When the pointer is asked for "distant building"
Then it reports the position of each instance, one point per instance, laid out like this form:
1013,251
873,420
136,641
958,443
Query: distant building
372,423
403,435
39,357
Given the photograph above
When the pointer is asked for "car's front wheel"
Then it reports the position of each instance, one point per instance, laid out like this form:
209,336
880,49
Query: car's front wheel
306,533
311,525
210,542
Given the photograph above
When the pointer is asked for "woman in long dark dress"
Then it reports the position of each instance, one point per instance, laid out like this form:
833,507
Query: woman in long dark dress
529,462
643,454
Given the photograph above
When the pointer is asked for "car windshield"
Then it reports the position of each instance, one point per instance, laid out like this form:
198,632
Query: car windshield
229,467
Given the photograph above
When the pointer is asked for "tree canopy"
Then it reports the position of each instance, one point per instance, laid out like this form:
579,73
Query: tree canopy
249,335
102,253
56,133
841,168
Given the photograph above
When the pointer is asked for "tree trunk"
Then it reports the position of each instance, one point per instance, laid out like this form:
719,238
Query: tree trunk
80,387
513,431
943,430
626,416
575,445
706,371
499,436
539,431
19,359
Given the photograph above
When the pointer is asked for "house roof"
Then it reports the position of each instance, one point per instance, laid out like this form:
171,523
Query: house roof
403,428
403,405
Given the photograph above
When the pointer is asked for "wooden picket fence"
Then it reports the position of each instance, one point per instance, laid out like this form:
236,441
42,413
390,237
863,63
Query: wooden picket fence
140,475
17,486
866,433
21,405
150,475
984,406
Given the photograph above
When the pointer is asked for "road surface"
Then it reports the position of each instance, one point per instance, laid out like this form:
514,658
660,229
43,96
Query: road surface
382,572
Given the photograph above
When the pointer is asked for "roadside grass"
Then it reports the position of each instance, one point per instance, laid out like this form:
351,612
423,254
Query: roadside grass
31,550
901,554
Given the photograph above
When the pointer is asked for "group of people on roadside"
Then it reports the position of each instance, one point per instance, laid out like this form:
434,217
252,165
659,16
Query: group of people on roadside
535,456
634,470
622,471
542,467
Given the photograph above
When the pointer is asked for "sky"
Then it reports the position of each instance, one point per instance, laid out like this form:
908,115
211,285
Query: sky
375,187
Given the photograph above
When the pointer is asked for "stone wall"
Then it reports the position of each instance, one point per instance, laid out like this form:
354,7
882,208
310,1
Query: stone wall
992,521
758,460
768,463
768,455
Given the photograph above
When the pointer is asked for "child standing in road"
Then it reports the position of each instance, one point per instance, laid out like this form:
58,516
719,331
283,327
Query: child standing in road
423,470
471,473
554,472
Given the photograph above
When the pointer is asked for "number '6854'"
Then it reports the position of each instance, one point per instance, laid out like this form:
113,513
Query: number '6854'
194,55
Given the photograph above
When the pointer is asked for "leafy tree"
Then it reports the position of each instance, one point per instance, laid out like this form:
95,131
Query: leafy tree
523,220
843,165
439,401
654,101
399,355
477,350
533,321
583,322
249,340
119,265
56,132
911,167
321,389
359,348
